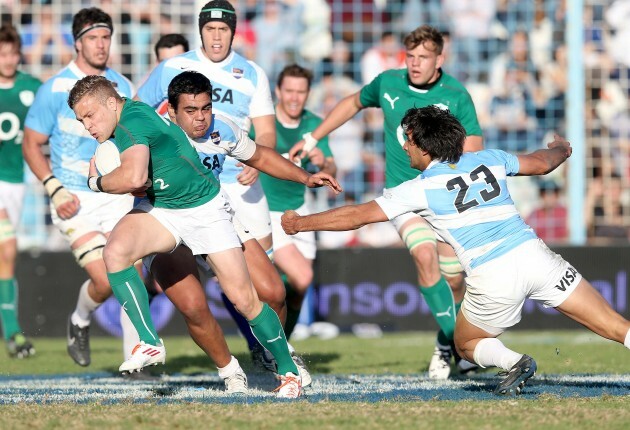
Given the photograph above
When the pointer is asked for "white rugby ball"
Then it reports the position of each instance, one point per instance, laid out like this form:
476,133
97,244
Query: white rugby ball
106,157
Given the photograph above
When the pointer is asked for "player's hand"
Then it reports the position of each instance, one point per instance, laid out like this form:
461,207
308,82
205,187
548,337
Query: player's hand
289,222
68,204
248,175
316,156
93,170
560,142
321,179
296,153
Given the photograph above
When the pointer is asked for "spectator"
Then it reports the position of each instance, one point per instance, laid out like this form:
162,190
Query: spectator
387,54
606,215
549,219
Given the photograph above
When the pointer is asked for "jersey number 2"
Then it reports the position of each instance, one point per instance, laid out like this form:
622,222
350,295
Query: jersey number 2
485,194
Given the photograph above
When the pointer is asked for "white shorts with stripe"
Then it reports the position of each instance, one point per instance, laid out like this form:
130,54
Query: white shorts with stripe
496,290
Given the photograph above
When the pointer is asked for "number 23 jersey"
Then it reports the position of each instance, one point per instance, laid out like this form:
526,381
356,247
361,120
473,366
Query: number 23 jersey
467,203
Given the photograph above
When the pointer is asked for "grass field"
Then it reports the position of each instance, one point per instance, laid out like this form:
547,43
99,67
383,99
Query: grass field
582,382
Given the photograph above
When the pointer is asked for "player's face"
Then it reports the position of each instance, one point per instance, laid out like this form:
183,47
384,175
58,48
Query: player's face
423,64
216,37
292,96
93,48
9,60
166,53
418,159
98,118
193,115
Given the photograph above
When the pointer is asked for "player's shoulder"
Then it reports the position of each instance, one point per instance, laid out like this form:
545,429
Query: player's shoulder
227,128
449,82
189,60
27,79
309,117
393,75
60,82
121,82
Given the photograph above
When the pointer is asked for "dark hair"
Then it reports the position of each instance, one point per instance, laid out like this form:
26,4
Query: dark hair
93,85
295,71
429,37
188,82
436,131
92,16
218,10
171,40
8,34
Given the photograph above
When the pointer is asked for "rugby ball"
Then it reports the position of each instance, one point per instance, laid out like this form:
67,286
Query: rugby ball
106,157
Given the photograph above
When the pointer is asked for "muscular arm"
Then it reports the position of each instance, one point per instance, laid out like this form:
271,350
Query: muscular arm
265,127
269,161
341,113
32,150
132,173
544,161
343,218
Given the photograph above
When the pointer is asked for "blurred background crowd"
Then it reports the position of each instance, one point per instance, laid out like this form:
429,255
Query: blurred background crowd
511,55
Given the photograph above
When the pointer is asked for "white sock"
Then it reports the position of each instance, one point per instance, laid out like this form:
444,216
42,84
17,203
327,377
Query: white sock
230,369
626,342
491,352
130,336
82,315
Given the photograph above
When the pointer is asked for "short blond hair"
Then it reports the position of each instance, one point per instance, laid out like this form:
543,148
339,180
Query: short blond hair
93,85
424,35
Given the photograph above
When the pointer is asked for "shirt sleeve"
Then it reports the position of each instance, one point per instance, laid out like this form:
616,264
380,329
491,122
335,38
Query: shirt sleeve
369,95
154,90
261,103
42,115
406,197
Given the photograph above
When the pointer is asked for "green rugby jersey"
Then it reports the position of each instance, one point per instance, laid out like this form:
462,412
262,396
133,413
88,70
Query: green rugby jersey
392,93
284,195
14,103
179,179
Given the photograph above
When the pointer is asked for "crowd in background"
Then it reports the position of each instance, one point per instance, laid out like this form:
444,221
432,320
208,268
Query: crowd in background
511,55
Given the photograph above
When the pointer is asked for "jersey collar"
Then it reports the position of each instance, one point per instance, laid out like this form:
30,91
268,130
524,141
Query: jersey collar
426,87
78,72
206,60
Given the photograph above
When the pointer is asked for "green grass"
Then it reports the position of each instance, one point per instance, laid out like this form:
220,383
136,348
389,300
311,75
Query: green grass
408,353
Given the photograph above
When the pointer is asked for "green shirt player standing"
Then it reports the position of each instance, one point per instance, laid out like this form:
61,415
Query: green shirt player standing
183,206
17,92
421,84
294,255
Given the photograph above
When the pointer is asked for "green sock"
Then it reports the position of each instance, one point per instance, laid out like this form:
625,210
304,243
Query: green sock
8,308
441,337
268,330
132,295
439,297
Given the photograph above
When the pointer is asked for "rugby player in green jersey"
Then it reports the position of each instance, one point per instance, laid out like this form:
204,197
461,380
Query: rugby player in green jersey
184,205
17,92
422,83
294,255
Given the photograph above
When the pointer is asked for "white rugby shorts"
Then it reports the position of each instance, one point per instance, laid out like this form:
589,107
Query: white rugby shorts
98,212
496,290
250,207
11,200
304,240
205,229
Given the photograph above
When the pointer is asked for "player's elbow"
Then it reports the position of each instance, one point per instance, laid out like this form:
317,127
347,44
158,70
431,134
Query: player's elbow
137,179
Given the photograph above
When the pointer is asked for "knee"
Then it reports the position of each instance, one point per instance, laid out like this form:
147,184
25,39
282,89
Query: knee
115,256
194,313
456,283
426,258
303,280
272,292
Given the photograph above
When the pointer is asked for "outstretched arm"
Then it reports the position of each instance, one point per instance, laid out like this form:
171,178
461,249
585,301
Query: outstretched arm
341,113
269,161
343,218
544,161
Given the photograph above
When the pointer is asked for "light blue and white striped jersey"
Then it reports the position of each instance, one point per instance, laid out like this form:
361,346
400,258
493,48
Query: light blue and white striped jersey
71,146
468,204
223,138
240,90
